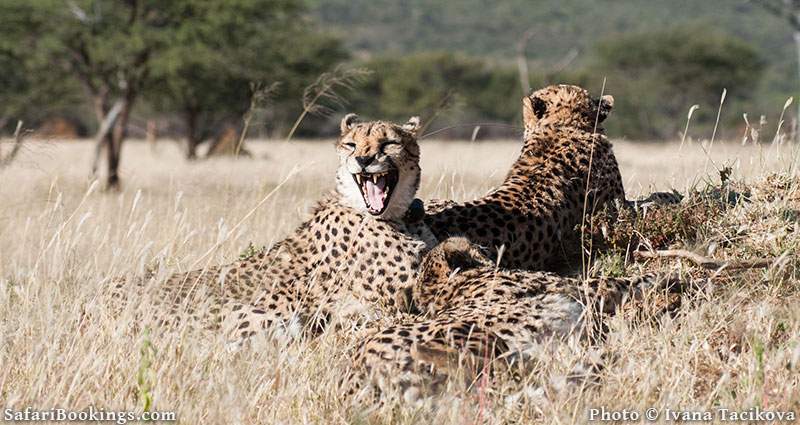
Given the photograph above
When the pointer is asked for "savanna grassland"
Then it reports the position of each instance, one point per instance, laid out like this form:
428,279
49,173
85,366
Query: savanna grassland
733,342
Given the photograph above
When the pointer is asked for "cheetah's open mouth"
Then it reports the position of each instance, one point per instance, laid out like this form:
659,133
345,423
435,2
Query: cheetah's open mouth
376,189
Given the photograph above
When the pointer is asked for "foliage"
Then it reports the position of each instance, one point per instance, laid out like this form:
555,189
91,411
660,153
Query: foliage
450,62
491,31
102,43
206,72
145,376
251,251
193,58
421,84
106,45
657,76
29,90
479,28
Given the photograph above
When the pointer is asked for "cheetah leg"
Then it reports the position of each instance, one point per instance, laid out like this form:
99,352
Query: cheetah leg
415,358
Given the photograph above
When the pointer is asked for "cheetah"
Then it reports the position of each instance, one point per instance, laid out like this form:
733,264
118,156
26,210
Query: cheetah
566,170
476,317
357,255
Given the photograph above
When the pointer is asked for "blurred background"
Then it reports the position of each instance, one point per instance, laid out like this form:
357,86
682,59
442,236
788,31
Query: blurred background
218,72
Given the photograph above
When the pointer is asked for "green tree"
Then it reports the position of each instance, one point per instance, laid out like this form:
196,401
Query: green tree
107,45
657,76
219,48
29,90
453,89
196,57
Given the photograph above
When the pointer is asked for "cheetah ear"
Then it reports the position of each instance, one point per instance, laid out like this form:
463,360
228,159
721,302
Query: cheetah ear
412,125
533,109
347,122
608,101
527,111
605,104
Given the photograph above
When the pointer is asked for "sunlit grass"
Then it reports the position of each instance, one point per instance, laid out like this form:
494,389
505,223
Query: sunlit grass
734,344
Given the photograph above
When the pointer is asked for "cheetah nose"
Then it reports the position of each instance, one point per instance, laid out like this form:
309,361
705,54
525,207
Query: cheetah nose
363,161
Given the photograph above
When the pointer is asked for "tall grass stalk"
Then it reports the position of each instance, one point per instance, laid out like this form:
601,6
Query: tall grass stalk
586,253
714,132
326,92
686,129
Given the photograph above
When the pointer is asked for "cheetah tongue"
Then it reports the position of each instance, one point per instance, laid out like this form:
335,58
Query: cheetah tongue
375,193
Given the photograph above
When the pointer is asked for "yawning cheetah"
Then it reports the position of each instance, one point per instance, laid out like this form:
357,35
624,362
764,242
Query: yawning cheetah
358,254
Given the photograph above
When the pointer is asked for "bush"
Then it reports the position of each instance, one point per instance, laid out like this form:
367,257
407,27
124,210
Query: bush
657,76
446,88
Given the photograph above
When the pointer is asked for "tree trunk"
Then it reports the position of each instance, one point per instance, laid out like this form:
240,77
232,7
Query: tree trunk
114,147
108,119
110,135
101,110
18,136
193,137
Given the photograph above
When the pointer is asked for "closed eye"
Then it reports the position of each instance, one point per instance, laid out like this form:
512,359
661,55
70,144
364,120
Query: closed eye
350,146
387,143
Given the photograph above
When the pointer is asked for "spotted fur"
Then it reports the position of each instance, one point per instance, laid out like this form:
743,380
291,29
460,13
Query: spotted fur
476,318
342,262
471,310
566,169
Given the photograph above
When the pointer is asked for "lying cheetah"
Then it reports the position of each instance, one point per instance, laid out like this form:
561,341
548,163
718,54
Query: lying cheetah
358,253
535,211
473,312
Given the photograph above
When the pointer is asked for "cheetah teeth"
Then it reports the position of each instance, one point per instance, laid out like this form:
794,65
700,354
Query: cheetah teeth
374,177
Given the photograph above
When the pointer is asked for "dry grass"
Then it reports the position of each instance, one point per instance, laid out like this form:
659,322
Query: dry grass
734,344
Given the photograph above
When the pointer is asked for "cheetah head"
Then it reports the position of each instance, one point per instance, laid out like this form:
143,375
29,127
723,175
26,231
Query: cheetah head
378,166
565,106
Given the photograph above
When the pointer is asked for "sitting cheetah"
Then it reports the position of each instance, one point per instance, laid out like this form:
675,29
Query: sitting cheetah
473,312
535,211
357,254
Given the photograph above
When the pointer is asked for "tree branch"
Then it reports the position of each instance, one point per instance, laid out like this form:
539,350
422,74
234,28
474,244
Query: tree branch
18,136
79,13
705,262
102,133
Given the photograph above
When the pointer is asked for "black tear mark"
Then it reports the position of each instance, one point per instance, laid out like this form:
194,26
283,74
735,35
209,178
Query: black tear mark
539,107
